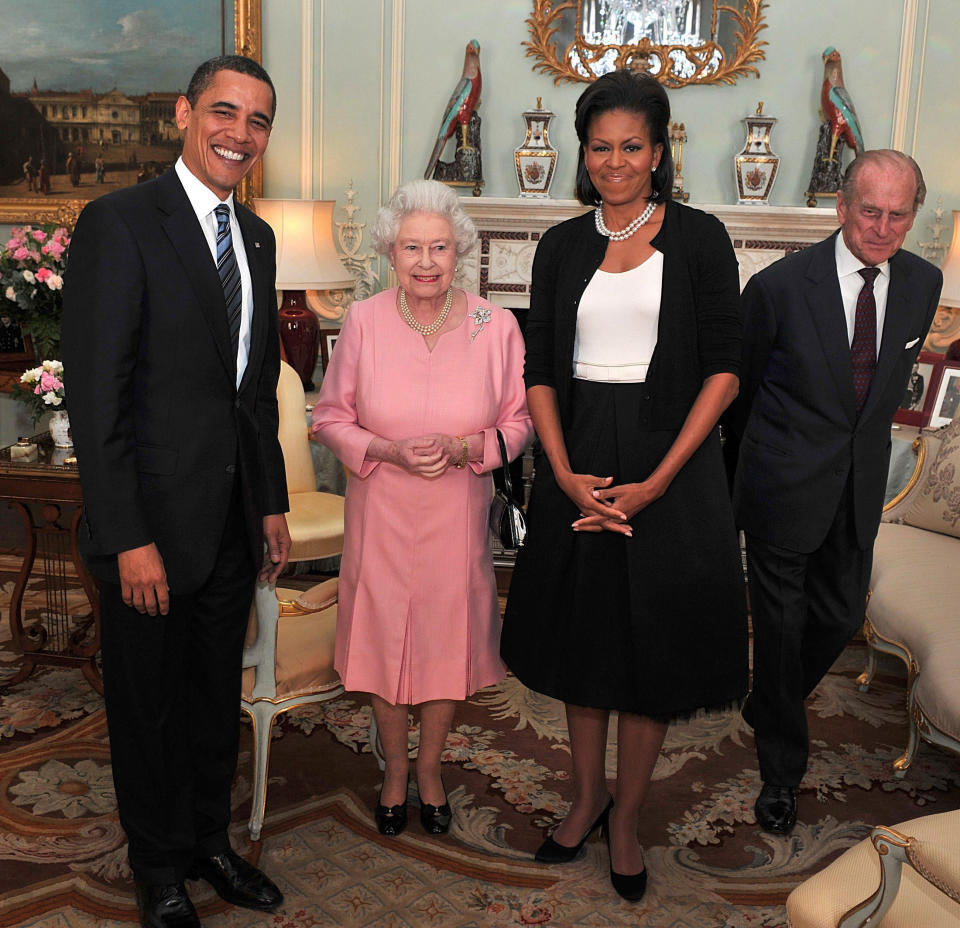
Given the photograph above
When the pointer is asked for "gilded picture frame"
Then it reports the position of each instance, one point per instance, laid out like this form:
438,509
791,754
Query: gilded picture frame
709,63
64,210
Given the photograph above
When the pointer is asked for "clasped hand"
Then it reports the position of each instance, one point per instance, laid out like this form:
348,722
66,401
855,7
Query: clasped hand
427,456
603,507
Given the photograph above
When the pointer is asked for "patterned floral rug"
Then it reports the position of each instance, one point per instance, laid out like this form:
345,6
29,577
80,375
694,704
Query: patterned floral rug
63,857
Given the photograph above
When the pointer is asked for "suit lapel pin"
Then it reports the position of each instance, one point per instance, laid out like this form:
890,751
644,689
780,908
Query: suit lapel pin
256,244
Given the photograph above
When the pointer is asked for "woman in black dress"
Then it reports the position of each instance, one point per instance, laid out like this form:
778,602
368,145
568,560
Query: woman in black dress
629,592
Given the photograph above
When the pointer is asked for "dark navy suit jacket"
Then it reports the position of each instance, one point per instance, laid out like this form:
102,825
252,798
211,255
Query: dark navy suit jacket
801,440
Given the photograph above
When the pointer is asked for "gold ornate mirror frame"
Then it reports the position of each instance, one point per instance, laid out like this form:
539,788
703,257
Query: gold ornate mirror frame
64,210
708,68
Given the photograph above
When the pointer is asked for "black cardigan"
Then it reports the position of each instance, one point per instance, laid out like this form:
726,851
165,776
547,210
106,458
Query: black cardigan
699,330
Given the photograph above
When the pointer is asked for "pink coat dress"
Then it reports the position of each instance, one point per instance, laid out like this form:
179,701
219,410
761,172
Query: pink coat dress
418,617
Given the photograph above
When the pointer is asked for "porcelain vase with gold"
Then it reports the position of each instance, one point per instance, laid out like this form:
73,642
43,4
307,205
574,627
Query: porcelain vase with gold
536,158
756,166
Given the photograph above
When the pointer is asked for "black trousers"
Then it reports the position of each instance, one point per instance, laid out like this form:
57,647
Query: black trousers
172,693
806,608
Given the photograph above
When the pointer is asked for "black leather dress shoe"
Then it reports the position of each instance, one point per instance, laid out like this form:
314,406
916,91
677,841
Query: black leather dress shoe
553,852
165,905
237,882
776,809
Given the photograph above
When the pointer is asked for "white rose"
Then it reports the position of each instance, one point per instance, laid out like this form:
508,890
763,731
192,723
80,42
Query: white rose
28,277
55,282
32,375
10,295
51,398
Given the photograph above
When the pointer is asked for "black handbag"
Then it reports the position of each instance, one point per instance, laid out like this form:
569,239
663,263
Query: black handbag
507,520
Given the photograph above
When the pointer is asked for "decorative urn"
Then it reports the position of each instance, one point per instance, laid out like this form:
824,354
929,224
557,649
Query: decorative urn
536,158
756,166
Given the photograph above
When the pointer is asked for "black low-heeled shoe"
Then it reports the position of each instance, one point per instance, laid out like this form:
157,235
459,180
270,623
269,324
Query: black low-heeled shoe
552,852
629,886
391,820
435,819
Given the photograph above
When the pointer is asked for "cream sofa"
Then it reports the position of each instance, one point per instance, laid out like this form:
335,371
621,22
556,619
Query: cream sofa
913,610
907,876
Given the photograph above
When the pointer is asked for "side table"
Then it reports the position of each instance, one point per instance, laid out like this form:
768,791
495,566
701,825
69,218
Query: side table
47,494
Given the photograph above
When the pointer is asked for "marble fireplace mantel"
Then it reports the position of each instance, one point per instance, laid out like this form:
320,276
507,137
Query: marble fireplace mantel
509,229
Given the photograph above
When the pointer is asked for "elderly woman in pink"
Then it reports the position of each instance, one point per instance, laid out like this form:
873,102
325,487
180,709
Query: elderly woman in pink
422,378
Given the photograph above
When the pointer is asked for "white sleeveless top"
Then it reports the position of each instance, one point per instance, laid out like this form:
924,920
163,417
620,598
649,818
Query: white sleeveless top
617,323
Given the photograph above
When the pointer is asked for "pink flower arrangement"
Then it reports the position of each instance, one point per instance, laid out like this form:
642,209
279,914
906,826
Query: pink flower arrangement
32,264
41,388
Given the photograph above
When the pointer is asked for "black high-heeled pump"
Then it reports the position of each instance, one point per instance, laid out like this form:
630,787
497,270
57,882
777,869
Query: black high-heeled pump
391,820
552,852
435,819
629,886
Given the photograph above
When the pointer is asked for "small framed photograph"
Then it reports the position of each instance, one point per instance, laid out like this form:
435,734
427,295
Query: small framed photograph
328,338
946,404
917,403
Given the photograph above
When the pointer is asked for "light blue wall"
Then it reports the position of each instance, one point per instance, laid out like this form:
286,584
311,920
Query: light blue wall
352,125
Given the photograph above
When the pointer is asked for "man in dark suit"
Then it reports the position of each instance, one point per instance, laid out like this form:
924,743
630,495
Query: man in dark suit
830,337
169,334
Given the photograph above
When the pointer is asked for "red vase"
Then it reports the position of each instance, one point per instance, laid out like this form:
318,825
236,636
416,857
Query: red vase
299,335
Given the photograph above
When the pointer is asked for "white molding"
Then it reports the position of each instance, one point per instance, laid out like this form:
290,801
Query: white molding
395,128
923,63
383,43
307,132
901,102
765,223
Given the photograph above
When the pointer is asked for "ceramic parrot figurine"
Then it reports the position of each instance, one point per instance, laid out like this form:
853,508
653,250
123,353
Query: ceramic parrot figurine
837,107
461,105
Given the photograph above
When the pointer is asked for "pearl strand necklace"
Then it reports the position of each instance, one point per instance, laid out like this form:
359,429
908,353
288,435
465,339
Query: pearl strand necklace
625,233
437,323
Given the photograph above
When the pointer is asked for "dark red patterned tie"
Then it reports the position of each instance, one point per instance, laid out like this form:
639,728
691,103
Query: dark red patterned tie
864,347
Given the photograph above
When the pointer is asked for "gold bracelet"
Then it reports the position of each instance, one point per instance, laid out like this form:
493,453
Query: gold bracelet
463,459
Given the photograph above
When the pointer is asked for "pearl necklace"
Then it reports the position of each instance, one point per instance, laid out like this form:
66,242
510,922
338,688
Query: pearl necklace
437,323
625,233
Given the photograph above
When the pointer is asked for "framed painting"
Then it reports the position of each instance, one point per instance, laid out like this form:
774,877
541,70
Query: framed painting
947,402
917,403
328,338
87,102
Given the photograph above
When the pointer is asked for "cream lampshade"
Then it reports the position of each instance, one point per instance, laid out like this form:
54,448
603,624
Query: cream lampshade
950,296
307,259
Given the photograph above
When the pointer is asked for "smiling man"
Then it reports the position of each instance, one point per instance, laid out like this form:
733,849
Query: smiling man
831,334
169,334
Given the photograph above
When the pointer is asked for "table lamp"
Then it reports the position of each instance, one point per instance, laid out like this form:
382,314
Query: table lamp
950,295
307,259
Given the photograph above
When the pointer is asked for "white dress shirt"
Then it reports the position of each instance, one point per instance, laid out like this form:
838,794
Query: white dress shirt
851,283
204,201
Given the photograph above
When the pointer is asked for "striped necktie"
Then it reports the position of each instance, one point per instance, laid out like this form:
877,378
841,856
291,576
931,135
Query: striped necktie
864,346
229,276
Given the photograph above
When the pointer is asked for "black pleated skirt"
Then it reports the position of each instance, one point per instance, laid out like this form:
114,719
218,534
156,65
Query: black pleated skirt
654,624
